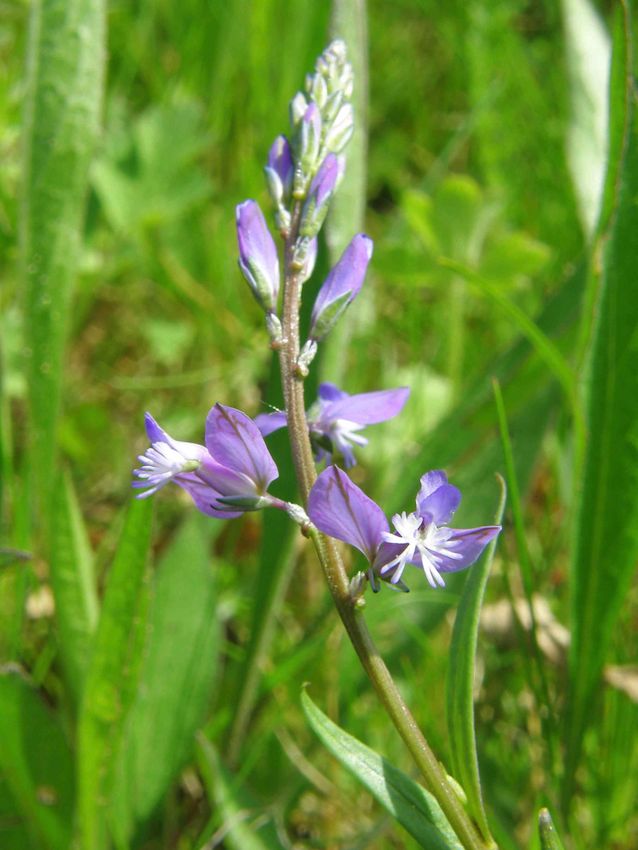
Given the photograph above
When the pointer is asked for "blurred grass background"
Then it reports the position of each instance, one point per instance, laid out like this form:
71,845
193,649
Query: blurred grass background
469,118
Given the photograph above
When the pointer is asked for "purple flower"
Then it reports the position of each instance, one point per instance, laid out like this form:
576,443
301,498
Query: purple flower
258,258
279,170
341,286
228,476
321,190
337,418
423,538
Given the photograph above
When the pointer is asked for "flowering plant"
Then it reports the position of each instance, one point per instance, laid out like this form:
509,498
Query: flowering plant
232,472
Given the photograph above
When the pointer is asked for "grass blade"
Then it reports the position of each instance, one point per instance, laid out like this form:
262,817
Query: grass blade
588,55
115,660
460,683
550,839
175,680
407,801
74,587
606,533
35,757
64,92
237,819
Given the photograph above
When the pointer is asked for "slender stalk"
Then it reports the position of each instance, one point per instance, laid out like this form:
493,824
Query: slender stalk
337,578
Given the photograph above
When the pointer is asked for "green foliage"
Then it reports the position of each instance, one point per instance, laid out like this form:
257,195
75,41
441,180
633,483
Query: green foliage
606,548
113,676
176,675
66,68
149,695
410,804
36,762
460,683
74,587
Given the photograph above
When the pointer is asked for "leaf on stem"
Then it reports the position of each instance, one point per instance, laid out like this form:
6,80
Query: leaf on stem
460,682
407,801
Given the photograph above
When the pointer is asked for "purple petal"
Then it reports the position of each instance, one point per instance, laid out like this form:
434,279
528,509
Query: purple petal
325,180
235,441
156,434
346,278
469,543
339,508
369,408
270,422
431,481
440,504
258,258
204,497
331,392
387,552
280,161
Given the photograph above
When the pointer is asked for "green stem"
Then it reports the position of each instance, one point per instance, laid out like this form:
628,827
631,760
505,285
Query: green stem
337,578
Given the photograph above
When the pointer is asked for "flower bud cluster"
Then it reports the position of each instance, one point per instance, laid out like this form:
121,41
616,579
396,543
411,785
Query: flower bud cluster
302,175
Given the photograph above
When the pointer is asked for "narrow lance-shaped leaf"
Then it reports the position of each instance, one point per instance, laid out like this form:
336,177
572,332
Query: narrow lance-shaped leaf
407,801
460,683
63,103
175,679
35,758
116,657
606,533
550,840
73,584
241,820
588,54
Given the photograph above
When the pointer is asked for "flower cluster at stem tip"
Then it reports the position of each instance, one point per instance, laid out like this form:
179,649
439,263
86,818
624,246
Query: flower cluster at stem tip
232,472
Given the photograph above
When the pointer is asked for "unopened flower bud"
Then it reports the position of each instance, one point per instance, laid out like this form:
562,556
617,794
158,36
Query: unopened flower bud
306,356
332,107
319,90
279,171
298,106
274,328
258,258
341,286
341,130
321,190
309,138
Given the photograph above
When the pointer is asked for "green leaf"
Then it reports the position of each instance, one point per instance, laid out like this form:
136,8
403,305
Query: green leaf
588,56
606,533
63,103
36,762
550,839
244,824
114,665
175,680
74,587
407,801
460,682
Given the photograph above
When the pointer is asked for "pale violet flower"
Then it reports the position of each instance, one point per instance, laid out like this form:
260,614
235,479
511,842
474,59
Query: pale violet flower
336,420
422,539
227,476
